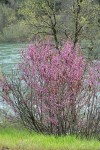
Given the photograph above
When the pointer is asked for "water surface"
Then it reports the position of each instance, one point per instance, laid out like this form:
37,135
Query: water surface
9,56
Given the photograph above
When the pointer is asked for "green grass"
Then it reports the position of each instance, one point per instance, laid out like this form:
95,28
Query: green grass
16,139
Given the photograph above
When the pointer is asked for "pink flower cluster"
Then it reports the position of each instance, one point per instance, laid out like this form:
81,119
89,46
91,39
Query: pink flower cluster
55,75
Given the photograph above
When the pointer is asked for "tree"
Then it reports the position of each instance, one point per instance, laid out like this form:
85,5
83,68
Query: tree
58,19
7,16
53,91
42,16
78,17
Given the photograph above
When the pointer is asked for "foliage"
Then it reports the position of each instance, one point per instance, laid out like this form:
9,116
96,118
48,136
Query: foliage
16,32
71,17
12,28
83,24
42,16
7,16
56,92
56,18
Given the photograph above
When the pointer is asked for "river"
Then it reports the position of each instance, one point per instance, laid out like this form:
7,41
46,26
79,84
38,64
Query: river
9,56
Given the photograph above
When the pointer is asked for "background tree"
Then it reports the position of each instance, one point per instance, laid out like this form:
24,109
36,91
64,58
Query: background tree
12,27
55,18
42,16
61,18
82,26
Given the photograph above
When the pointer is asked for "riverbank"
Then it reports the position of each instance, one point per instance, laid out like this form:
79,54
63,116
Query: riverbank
15,139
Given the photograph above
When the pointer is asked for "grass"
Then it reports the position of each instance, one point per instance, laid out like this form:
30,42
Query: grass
15,139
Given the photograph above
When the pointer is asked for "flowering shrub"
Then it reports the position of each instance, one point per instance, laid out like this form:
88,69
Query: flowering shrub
53,88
